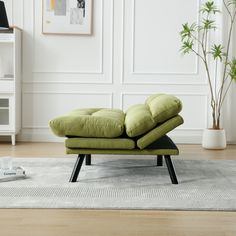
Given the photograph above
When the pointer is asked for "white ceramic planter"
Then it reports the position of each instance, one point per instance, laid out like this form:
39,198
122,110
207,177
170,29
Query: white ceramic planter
214,139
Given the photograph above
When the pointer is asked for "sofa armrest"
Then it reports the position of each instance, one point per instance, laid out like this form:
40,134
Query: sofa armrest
159,131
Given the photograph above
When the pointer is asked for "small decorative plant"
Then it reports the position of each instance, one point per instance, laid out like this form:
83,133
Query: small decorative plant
197,36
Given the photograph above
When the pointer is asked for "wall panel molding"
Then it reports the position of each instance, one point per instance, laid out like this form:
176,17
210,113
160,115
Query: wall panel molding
101,65
131,76
196,70
105,73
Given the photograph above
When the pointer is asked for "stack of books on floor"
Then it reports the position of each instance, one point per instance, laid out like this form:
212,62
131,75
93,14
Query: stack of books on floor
12,174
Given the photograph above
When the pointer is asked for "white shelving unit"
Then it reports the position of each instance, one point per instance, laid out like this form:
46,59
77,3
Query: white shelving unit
10,83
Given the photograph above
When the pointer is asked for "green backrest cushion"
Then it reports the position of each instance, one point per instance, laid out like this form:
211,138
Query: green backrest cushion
163,106
91,122
157,109
138,120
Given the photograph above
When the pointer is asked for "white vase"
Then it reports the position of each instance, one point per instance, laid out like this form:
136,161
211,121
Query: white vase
214,139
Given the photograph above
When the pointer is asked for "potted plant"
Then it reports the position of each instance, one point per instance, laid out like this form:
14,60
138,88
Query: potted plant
220,67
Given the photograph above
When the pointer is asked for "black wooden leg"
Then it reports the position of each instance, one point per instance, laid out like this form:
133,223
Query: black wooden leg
88,160
77,168
171,169
159,160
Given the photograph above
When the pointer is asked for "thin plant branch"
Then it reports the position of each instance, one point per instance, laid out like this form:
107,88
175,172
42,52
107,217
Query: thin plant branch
227,58
220,55
225,93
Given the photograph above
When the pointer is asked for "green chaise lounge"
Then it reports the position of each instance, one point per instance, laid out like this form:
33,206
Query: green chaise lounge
140,131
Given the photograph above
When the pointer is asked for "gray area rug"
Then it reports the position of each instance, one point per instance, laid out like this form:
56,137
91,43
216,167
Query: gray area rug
122,183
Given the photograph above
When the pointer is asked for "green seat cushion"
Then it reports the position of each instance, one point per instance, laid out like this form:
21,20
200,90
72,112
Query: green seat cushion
138,120
163,106
100,143
162,146
91,122
136,151
159,131
157,109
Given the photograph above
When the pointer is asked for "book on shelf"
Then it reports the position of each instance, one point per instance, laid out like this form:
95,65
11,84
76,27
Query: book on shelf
7,77
8,31
6,36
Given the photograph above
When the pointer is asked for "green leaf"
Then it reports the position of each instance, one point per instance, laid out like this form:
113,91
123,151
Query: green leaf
232,2
209,7
187,46
187,31
217,52
208,24
232,70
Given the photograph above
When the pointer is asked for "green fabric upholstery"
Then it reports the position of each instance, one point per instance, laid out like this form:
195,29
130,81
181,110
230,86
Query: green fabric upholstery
162,146
158,108
163,106
123,152
159,131
103,129
93,122
138,120
100,143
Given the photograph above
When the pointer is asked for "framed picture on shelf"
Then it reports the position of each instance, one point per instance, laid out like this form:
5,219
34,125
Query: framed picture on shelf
67,17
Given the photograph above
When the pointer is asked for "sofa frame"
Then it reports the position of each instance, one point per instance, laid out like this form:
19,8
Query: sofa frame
163,147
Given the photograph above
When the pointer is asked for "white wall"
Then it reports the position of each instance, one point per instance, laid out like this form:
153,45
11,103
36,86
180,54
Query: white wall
133,52
232,101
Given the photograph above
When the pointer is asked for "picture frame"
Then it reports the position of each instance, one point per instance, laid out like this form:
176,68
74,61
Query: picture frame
67,17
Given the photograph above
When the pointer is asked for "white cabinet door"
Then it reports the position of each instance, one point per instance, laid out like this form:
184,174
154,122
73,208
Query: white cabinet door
5,113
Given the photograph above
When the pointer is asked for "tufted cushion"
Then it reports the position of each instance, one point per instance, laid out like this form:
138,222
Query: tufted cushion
92,122
138,120
163,106
158,108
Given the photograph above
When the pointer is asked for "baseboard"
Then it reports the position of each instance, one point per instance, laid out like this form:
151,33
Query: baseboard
45,135
38,135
